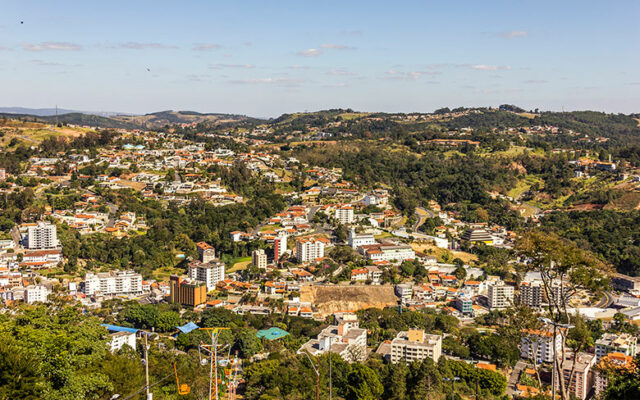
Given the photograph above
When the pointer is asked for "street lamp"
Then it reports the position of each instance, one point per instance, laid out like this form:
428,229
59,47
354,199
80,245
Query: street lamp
317,371
548,321
455,378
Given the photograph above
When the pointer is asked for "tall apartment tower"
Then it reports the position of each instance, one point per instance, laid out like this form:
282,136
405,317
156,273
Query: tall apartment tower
280,243
259,259
187,293
42,236
531,294
500,295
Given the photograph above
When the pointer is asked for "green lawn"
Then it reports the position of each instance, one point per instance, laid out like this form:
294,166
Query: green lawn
240,264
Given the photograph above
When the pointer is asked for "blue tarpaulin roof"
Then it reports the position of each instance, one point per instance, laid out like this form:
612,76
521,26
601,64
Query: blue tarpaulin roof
272,333
188,327
116,328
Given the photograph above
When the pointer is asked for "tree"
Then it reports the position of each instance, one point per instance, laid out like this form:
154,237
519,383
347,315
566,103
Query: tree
564,269
248,343
363,384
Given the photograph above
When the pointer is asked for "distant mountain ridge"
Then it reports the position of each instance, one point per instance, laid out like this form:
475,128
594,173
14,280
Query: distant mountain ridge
46,112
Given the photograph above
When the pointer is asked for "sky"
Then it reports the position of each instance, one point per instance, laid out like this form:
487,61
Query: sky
267,57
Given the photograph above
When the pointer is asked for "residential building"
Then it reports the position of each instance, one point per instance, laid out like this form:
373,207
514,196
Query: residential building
359,274
388,252
531,293
42,236
540,344
360,239
582,382
36,294
345,338
415,345
119,339
206,252
310,249
624,343
187,293
113,283
374,274
344,214
500,295
610,363
280,246
404,291
259,259
210,273
464,305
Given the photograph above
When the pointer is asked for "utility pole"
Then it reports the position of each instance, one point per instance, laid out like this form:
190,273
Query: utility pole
146,364
317,371
555,357
428,387
330,376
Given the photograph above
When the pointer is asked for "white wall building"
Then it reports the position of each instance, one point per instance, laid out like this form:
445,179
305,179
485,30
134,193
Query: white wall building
113,283
36,293
259,259
210,273
360,239
119,339
415,345
42,236
309,249
610,342
500,295
344,214
539,344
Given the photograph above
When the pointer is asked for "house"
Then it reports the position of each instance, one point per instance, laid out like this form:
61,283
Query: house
359,274
345,338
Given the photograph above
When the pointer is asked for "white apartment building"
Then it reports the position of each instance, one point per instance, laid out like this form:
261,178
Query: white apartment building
539,344
119,339
36,293
404,291
531,293
344,214
500,295
210,273
113,283
310,249
415,345
345,338
259,259
42,236
360,239
610,342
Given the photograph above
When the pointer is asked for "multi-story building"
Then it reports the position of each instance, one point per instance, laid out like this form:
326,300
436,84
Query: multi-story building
611,363
310,249
500,295
119,339
464,305
206,252
210,273
582,382
531,294
620,343
360,239
259,259
187,293
113,283
359,274
345,338
280,246
36,294
344,214
540,344
404,291
42,236
388,252
415,345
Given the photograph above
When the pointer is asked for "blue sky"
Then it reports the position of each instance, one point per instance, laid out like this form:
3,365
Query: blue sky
264,58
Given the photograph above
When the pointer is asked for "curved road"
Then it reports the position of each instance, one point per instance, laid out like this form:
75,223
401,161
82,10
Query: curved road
606,301
422,214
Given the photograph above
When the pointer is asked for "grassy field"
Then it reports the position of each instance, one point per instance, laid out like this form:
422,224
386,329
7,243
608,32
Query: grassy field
240,264
34,132
383,235
524,185
353,115
162,274
438,252
527,115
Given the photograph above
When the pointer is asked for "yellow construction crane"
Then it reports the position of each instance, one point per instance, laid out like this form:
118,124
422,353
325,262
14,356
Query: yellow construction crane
184,388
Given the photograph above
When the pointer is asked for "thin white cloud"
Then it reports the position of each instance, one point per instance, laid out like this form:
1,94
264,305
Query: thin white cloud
334,46
340,72
236,66
56,46
484,67
2,48
513,34
299,67
411,75
535,81
336,85
142,46
351,33
206,46
310,53
269,81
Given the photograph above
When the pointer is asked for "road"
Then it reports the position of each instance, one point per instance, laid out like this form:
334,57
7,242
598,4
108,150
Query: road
422,214
606,301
